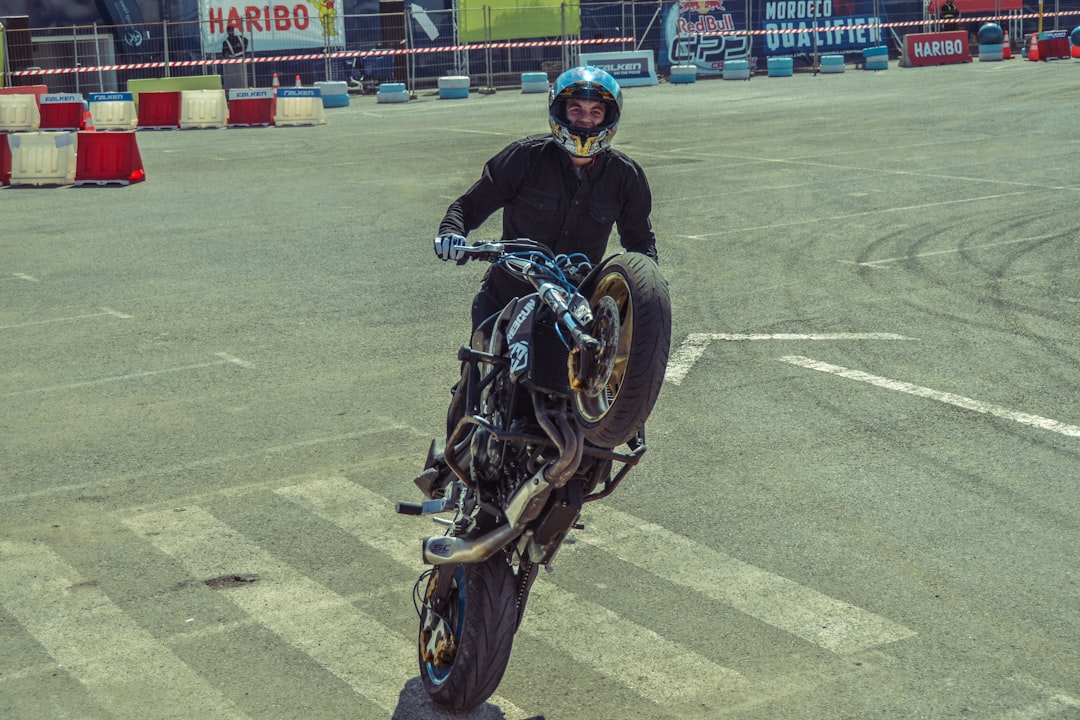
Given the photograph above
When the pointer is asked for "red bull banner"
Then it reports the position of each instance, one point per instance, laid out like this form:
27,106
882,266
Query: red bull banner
272,25
705,33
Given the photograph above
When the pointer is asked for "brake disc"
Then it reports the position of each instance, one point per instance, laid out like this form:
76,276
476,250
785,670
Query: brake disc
590,372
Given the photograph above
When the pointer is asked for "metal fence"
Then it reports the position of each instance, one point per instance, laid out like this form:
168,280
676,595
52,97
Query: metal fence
365,50
374,48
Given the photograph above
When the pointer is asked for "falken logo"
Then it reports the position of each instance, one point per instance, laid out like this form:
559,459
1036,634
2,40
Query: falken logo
624,68
516,325
519,357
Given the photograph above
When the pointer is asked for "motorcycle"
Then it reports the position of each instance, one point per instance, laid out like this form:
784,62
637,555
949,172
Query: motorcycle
552,387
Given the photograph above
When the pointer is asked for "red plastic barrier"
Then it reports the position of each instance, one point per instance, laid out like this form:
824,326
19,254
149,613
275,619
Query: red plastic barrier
62,116
5,161
108,158
159,110
942,48
251,113
37,90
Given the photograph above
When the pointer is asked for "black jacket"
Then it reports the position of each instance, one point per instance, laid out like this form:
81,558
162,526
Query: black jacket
542,198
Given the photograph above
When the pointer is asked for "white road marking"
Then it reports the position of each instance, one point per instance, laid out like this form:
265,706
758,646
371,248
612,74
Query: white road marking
555,616
234,360
944,397
385,425
365,654
1049,707
784,604
693,347
351,645
104,312
225,360
95,642
950,251
847,216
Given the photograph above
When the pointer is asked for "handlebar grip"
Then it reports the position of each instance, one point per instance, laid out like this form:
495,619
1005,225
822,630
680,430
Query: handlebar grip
484,251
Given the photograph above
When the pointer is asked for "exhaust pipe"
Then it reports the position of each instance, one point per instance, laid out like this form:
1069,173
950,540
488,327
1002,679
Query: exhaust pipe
443,550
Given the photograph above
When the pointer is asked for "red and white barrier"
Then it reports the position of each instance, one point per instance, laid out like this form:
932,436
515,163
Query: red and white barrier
338,55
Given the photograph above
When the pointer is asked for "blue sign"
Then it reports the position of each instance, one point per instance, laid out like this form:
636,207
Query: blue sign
801,27
298,92
110,97
629,68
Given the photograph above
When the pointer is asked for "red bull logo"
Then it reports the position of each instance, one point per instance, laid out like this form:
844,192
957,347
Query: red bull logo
701,7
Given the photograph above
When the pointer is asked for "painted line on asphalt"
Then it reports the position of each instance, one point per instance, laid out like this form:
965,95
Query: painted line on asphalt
950,251
355,647
784,604
385,425
104,313
1053,706
948,398
847,216
666,672
96,643
225,360
693,347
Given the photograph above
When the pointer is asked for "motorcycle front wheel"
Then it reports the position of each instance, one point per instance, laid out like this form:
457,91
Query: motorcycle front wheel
482,616
619,410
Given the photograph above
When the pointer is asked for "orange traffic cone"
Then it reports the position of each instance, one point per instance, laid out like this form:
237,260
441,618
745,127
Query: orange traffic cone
1006,48
275,83
1033,51
298,83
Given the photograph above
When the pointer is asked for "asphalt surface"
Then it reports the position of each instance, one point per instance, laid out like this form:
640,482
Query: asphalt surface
860,494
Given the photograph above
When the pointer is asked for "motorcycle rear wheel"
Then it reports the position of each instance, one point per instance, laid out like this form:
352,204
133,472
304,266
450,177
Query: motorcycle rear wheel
482,614
636,285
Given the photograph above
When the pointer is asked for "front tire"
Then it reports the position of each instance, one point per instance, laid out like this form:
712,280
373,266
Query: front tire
482,615
640,291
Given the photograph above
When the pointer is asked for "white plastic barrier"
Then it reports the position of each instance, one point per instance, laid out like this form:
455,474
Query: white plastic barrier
737,70
453,87
113,111
683,73
203,109
534,82
392,93
335,93
876,58
780,67
42,158
832,64
299,106
19,112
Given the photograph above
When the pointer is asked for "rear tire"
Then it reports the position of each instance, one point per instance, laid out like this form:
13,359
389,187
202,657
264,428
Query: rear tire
483,617
634,281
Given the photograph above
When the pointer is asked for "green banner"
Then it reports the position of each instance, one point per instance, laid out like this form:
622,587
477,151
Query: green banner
482,20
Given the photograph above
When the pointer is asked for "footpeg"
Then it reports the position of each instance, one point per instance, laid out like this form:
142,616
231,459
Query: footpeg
437,474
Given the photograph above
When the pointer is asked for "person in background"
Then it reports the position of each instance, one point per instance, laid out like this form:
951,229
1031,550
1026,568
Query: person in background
234,46
949,14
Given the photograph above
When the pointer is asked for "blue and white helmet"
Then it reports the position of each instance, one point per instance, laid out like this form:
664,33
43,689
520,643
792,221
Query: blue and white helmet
584,83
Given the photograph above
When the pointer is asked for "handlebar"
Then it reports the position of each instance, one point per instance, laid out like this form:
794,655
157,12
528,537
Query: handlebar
484,251
551,283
